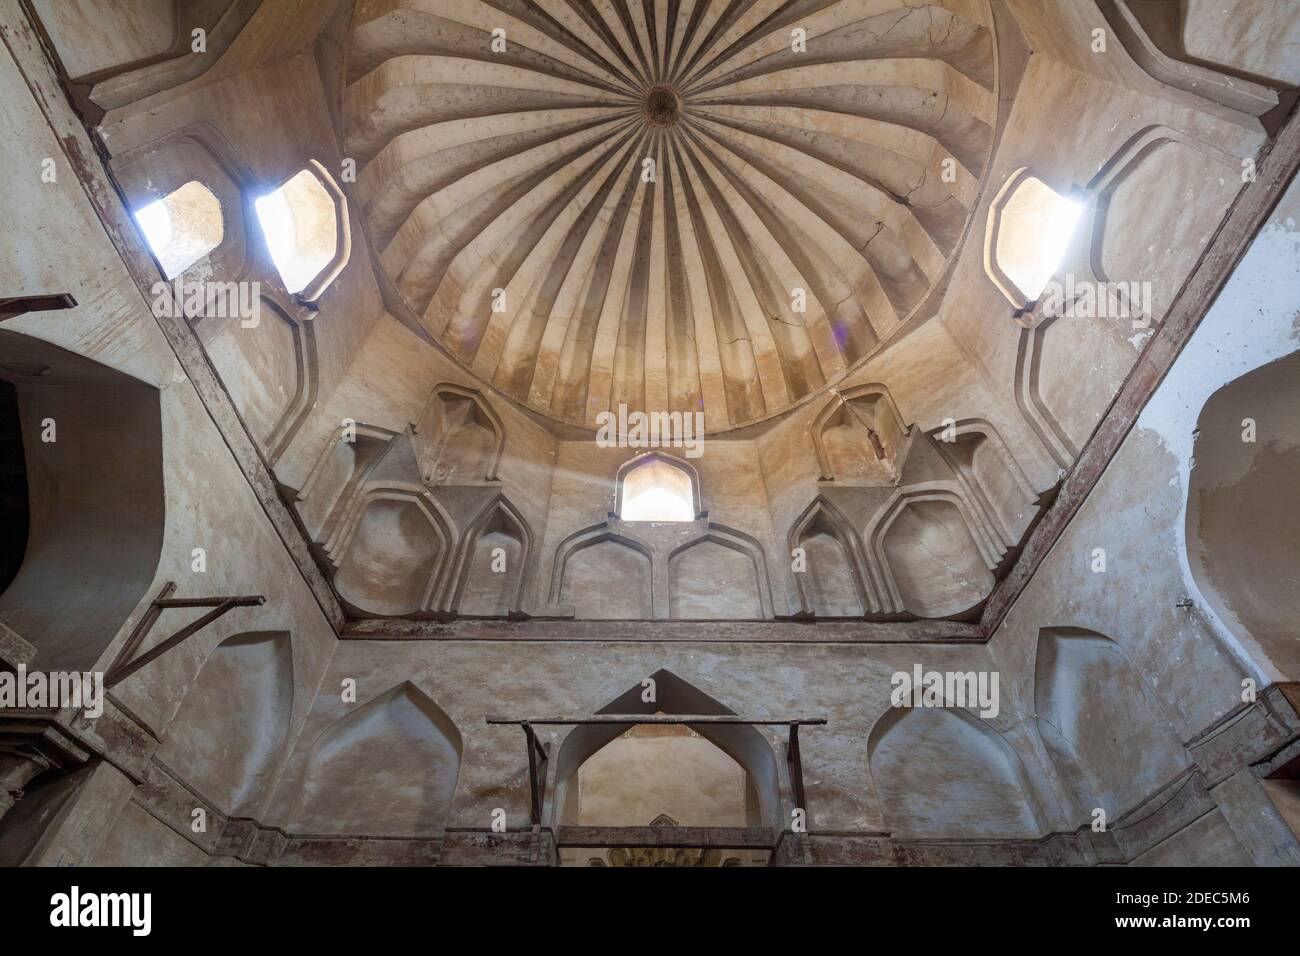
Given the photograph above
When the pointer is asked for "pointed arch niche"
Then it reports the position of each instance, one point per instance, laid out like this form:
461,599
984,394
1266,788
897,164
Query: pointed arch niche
722,574
943,772
493,559
338,475
935,559
388,768
991,476
833,582
756,803
588,561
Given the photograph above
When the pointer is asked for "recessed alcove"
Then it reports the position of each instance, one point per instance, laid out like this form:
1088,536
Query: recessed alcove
229,734
711,579
465,437
828,577
1100,722
392,558
935,561
92,447
495,554
1243,508
725,774
607,578
387,768
659,775
940,771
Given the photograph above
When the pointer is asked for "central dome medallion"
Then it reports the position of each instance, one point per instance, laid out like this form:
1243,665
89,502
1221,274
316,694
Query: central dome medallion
661,106
673,205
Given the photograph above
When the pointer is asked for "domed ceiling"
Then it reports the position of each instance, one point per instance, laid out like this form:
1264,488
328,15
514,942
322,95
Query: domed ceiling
681,205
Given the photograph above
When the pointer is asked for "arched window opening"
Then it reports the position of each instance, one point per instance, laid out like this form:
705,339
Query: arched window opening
182,227
1030,226
657,491
306,231
659,773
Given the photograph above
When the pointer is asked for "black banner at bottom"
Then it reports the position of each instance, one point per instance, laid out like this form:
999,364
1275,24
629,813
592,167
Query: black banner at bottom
339,906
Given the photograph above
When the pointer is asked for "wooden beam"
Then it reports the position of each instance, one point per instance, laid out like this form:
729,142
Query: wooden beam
709,838
694,632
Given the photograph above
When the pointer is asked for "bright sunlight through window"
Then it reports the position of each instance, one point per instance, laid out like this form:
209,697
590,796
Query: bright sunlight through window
656,491
182,227
1033,234
298,220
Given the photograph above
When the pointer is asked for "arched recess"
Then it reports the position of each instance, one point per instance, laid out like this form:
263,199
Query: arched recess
943,772
92,445
833,582
721,574
660,775
1103,726
394,553
490,582
1158,161
673,695
933,557
645,463
229,734
1243,509
993,479
338,475
860,436
30,825
466,437
603,575
388,768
